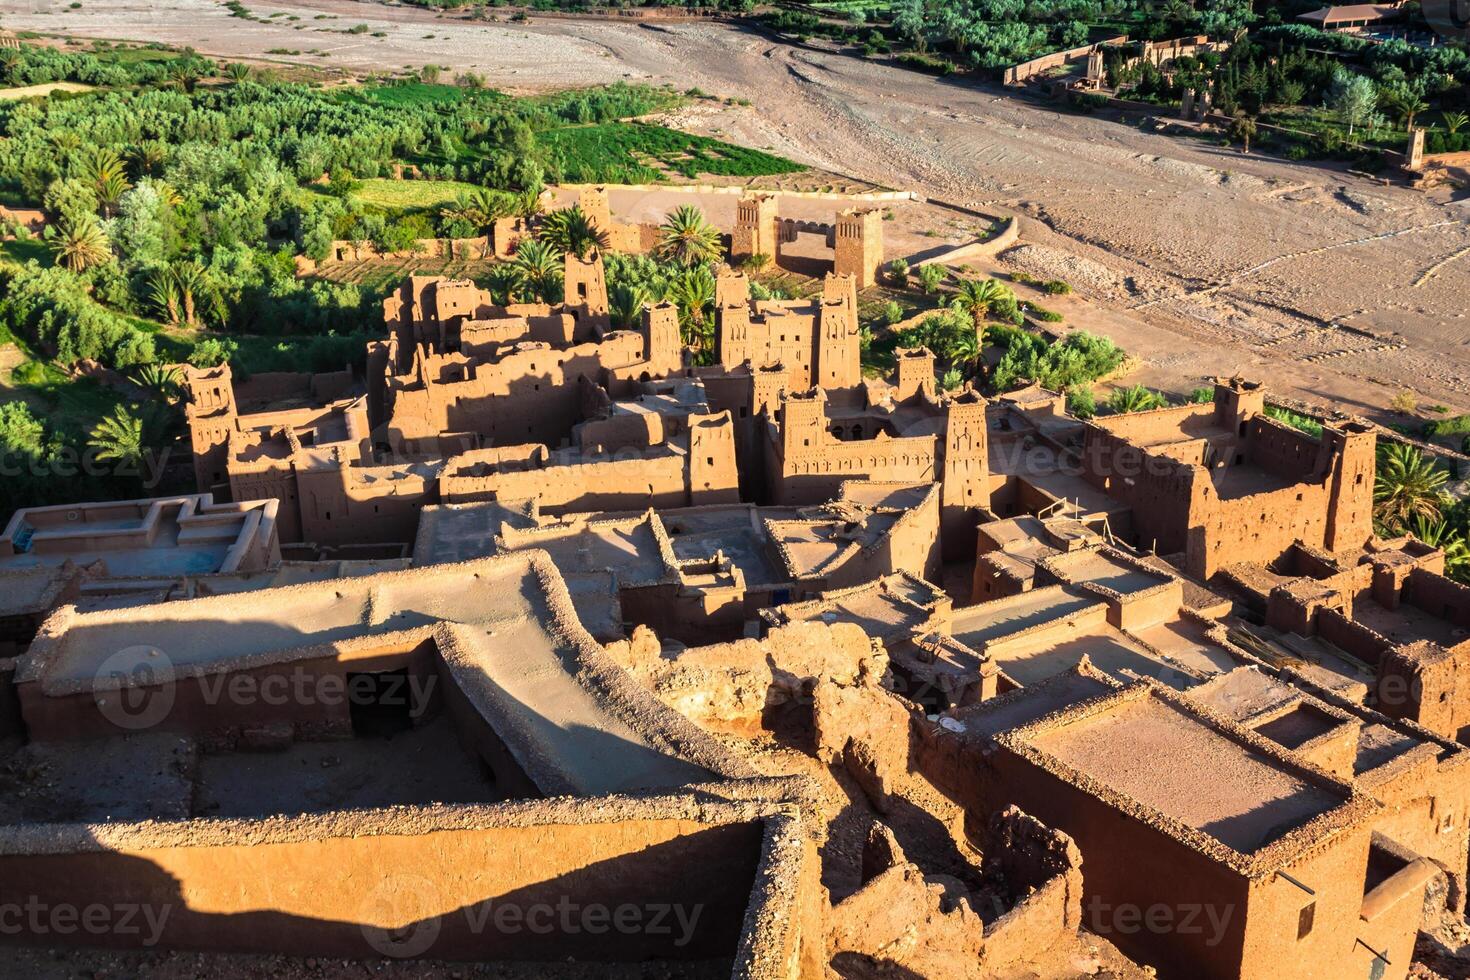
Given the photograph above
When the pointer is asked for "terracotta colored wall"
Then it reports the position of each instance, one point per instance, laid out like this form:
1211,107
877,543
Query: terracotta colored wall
221,706
1335,872
314,897
1129,865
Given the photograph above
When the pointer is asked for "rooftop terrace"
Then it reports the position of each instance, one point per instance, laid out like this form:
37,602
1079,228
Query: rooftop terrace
1145,750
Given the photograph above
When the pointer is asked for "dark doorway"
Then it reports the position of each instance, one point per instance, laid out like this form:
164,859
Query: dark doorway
381,703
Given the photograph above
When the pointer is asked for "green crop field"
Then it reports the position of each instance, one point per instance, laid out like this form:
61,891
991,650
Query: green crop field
623,152
409,194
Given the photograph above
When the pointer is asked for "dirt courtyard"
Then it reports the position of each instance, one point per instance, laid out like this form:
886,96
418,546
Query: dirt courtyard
1197,258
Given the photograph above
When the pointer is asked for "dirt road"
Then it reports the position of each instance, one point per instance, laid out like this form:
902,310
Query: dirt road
1200,259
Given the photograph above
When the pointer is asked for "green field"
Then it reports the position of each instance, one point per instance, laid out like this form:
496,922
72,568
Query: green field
392,194
424,94
636,153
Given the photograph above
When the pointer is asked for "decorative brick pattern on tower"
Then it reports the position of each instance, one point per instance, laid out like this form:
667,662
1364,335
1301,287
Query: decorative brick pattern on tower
858,245
585,289
816,340
211,414
755,227
966,483
662,347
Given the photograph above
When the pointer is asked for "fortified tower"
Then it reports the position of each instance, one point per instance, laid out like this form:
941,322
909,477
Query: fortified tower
586,290
838,355
662,346
211,414
966,486
858,245
915,373
1354,457
755,227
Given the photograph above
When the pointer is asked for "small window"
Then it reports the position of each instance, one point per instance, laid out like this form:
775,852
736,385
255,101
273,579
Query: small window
1304,920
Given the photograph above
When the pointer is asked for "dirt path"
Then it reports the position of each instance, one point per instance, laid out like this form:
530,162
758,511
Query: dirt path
1330,286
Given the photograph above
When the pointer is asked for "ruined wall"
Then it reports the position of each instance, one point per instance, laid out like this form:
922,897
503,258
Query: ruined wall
1044,868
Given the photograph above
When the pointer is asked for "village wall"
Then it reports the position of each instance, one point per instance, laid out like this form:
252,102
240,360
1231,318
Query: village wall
338,891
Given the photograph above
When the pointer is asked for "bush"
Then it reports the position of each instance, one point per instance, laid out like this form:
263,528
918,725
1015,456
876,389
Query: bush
1458,425
1056,287
898,271
926,63
1076,360
1081,402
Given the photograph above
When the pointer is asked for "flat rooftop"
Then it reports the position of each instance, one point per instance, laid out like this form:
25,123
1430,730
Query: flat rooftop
1110,650
887,609
1101,569
461,532
505,628
696,533
1407,624
975,626
166,536
1148,750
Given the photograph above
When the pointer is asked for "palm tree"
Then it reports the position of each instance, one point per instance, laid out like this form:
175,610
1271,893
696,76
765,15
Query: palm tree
183,73
1405,105
570,231
687,238
110,191
1439,534
118,438
150,156
239,71
1454,121
163,293
185,294
104,171
478,208
1408,485
1134,399
965,350
159,380
693,292
79,243
528,203
977,296
537,268
625,305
